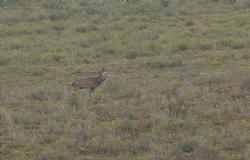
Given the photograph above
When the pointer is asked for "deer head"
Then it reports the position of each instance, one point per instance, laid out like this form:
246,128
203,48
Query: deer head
104,72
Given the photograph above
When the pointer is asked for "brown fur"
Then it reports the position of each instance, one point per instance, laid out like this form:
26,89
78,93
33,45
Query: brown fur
91,83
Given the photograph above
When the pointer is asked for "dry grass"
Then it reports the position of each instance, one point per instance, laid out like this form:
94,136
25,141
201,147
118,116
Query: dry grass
179,86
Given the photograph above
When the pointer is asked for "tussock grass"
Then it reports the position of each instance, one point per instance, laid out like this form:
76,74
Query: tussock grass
179,85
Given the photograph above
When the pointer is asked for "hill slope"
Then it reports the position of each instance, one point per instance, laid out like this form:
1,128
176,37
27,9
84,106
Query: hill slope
179,85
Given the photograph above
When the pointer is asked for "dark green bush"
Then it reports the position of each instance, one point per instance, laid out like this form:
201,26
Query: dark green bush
165,3
188,145
84,29
60,16
4,60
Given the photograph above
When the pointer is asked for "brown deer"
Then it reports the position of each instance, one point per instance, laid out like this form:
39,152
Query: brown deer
91,83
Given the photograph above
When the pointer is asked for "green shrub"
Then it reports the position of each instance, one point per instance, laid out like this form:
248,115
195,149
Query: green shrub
54,4
231,43
189,23
20,139
229,1
84,45
188,145
179,84
182,47
175,61
203,46
144,144
165,3
83,29
12,3
54,57
15,46
128,126
208,152
115,86
58,28
130,55
75,101
45,93
54,155
27,120
41,31
214,78
4,60
236,143
60,16
155,48
178,110
39,95
245,84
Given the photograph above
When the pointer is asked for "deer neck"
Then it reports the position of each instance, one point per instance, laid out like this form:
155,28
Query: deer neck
100,79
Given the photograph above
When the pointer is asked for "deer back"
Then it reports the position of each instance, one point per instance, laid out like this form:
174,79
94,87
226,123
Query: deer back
92,82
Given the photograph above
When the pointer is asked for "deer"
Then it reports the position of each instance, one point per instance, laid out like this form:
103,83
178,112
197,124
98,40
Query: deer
91,83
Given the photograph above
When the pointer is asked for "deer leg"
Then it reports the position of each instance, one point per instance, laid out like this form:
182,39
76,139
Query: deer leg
90,91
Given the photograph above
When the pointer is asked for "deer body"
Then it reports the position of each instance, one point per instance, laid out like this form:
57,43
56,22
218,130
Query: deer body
91,83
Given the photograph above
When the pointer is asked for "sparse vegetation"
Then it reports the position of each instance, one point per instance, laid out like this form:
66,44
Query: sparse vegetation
179,85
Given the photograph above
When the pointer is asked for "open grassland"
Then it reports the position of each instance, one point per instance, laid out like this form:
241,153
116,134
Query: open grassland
179,87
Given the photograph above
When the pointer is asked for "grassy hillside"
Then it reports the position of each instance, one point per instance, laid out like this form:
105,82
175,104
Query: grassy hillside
179,87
